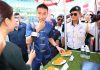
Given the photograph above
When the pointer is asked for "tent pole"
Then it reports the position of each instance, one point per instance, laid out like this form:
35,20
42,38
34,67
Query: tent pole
65,27
96,29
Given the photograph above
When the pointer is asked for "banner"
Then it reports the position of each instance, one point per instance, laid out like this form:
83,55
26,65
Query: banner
98,5
69,0
85,8
36,0
48,2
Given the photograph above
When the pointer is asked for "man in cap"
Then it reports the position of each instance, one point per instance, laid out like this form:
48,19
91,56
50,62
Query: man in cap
77,30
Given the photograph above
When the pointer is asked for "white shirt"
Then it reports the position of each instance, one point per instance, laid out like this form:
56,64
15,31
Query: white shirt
59,28
76,34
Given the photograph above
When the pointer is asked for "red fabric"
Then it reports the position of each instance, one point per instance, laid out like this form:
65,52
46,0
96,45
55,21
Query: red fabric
68,0
85,6
99,3
50,4
36,0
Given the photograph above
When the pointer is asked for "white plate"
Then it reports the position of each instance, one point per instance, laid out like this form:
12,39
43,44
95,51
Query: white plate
67,54
65,67
55,69
60,63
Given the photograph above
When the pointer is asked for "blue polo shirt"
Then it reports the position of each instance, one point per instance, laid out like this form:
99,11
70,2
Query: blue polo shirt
42,42
18,37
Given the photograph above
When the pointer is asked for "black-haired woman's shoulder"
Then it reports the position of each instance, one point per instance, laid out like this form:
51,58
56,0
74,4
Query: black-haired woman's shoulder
2,43
13,56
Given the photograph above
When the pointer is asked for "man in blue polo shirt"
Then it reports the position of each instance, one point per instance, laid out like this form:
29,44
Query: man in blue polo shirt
41,33
18,36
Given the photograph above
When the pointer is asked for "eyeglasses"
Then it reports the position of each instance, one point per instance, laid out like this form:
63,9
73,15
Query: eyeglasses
60,20
75,14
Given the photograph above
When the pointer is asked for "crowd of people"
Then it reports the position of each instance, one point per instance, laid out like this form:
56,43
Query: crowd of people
31,45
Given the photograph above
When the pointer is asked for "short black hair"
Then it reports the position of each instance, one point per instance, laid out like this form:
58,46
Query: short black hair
42,6
98,12
6,11
15,14
61,17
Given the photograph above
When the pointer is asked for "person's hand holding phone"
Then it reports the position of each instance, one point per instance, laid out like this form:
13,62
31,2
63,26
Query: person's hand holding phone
31,57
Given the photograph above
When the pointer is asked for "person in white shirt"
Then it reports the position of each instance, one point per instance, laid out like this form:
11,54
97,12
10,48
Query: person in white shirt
76,30
60,20
60,24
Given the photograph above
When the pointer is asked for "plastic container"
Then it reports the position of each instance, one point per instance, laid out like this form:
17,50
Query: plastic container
87,52
82,52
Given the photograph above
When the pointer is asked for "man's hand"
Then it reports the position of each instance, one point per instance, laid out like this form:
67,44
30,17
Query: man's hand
29,40
40,26
61,50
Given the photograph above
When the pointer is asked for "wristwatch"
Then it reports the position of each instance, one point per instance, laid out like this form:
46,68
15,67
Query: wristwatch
56,45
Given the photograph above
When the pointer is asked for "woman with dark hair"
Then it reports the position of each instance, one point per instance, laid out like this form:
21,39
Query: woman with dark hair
6,20
10,54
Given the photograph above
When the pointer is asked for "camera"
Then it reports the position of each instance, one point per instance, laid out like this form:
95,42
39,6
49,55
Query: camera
95,18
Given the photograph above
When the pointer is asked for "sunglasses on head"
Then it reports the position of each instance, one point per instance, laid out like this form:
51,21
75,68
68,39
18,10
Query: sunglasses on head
75,14
60,20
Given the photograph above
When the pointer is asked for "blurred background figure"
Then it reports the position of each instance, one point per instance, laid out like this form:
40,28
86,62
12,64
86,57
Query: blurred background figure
56,37
68,18
96,17
18,36
60,20
59,27
89,38
98,26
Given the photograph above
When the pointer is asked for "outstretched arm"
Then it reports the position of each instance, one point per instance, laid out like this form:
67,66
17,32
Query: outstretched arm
61,50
